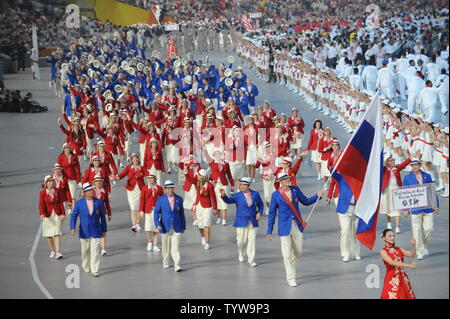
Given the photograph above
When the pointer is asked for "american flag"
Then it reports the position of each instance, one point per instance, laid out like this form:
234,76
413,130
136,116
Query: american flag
246,21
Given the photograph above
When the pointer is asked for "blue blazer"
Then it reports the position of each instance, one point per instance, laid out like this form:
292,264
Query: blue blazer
252,93
166,217
90,226
243,212
285,213
242,102
411,179
345,194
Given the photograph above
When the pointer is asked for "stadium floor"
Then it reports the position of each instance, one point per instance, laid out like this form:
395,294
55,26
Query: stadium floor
30,144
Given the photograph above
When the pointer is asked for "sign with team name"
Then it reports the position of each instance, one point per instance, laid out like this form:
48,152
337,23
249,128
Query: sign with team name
255,15
414,197
171,27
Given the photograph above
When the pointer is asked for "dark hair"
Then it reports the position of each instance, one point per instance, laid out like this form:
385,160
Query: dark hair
314,124
384,232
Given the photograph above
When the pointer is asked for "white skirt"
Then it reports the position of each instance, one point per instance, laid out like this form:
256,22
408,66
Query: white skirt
316,157
204,216
427,153
172,153
324,171
220,203
52,226
150,222
72,188
252,155
386,202
190,197
298,142
134,197
437,158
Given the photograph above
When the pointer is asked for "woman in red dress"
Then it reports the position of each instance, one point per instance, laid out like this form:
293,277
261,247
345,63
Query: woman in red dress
396,282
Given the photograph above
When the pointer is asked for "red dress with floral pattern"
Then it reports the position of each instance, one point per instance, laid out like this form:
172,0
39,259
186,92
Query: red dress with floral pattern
396,282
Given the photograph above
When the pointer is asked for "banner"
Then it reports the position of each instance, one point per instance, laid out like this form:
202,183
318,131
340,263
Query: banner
414,197
171,27
122,14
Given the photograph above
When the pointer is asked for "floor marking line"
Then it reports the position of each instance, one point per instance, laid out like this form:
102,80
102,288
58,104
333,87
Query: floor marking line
33,265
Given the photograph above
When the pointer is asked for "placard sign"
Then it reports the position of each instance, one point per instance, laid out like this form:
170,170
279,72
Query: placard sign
255,15
171,27
414,197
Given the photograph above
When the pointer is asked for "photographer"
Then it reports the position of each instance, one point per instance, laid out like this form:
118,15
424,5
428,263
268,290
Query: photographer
31,105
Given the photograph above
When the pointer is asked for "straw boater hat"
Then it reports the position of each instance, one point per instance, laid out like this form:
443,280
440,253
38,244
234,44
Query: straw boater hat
65,145
134,155
87,187
203,173
97,178
48,178
150,175
168,184
415,161
57,166
245,181
281,176
287,160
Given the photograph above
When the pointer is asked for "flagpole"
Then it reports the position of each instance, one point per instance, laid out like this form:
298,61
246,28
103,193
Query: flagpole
338,161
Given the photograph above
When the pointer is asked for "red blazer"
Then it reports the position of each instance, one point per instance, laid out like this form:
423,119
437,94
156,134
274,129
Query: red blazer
70,170
89,176
143,132
396,169
169,138
292,172
64,188
105,198
134,176
313,141
156,117
206,196
77,144
251,139
235,150
324,144
297,121
47,205
91,120
156,160
190,179
149,197
223,173
108,163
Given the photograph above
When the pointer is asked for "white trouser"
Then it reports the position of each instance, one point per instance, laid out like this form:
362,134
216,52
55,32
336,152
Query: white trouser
171,246
402,87
443,99
142,151
348,223
291,249
237,169
412,96
246,241
268,189
90,254
422,226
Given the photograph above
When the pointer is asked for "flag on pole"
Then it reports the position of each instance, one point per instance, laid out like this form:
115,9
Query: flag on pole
361,164
35,53
156,9
246,21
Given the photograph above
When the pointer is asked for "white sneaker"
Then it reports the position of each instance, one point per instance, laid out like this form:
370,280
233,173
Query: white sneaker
203,241
224,222
346,258
389,226
169,171
104,252
166,266
52,254
138,228
426,252
219,220
292,283
357,257
58,255
194,223
156,248
397,230
206,246
253,264
241,259
69,212
149,246
419,257
319,177
177,268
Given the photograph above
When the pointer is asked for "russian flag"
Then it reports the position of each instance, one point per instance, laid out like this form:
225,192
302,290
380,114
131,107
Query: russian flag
361,165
